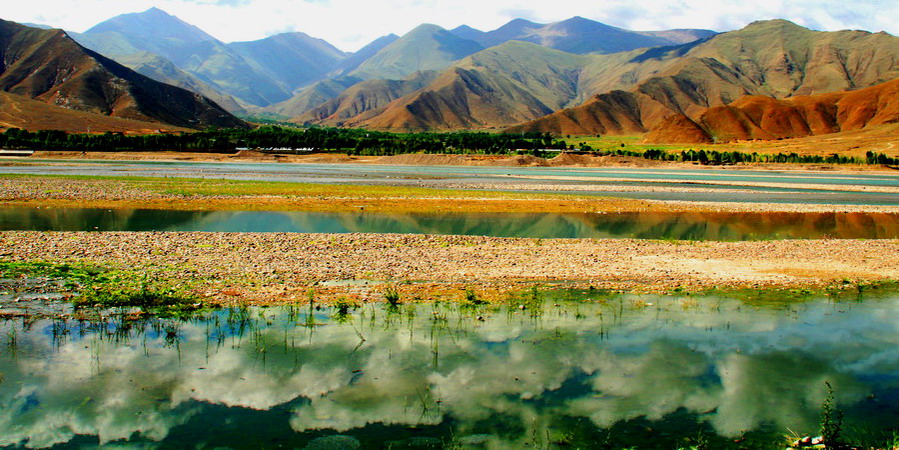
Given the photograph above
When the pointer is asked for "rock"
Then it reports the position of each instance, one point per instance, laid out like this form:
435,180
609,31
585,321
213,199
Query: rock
416,442
335,442
475,440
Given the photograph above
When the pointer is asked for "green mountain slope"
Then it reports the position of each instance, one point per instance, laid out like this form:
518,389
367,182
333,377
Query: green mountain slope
293,59
427,47
160,69
257,73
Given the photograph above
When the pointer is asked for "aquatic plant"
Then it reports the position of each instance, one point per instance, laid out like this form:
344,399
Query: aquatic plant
831,420
391,295
342,308
472,299
106,287
122,289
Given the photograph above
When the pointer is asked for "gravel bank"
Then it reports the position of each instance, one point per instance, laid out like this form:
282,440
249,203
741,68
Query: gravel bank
106,193
281,267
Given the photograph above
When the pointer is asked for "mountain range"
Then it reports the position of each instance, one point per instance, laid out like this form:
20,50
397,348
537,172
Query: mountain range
775,59
272,71
575,76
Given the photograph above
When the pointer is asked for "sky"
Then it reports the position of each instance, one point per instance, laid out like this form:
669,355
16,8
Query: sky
350,24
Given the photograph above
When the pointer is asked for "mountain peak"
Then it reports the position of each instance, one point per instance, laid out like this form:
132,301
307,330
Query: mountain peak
154,23
773,23
91,79
427,47
426,28
157,12
521,22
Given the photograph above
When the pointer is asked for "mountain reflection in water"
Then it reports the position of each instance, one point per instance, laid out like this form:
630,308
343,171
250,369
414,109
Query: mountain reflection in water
722,226
646,371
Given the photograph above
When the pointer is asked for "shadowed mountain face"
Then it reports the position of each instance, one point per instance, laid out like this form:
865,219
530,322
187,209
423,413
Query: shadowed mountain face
758,117
48,66
160,69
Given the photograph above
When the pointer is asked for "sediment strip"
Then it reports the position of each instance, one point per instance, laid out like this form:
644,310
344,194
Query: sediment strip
282,267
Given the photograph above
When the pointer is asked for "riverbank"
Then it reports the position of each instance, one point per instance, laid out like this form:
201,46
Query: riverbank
561,160
278,268
472,197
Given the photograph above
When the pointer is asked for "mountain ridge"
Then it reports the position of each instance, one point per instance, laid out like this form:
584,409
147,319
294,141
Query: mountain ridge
776,58
48,66
765,118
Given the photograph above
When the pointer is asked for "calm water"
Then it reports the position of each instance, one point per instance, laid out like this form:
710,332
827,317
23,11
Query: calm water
645,371
508,178
684,226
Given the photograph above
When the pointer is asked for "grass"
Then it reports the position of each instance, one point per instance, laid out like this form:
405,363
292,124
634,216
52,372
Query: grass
105,287
218,194
391,296
853,143
223,187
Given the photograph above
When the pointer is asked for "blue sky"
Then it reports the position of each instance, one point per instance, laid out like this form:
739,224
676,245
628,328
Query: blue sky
350,24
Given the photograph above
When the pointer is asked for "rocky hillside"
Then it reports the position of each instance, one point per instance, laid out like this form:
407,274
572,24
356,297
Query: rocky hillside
48,66
776,59
766,118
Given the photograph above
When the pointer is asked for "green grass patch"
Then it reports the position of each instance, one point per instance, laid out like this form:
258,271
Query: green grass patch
201,187
847,290
96,286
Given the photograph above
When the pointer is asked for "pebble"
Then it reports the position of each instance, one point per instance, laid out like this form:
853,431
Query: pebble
228,266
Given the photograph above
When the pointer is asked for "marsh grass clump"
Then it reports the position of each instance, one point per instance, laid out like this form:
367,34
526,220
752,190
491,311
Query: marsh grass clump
472,298
392,296
342,308
831,420
74,274
118,289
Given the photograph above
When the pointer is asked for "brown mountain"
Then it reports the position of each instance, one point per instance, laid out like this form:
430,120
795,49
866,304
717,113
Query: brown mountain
766,118
518,82
363,98
776,59
17,111
48,66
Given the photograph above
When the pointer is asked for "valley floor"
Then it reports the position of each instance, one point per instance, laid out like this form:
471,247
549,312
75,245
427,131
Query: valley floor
228,268
565,160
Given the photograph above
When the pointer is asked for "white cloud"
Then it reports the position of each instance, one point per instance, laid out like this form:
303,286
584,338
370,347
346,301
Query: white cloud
750,366
350,24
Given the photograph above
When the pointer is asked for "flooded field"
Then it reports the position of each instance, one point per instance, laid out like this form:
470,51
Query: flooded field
643,225
554,369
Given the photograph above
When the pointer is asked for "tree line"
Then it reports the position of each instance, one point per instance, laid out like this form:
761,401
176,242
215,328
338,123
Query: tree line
379,143
352,141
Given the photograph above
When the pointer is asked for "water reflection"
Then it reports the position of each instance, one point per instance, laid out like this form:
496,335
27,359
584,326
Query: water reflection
624,372
643,225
